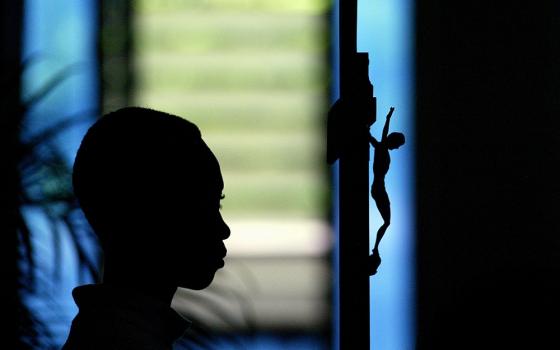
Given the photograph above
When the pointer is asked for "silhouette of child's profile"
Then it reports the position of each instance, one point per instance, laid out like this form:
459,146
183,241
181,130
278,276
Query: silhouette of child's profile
151,189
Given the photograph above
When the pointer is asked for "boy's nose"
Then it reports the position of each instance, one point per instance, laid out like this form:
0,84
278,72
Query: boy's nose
224,229
227,231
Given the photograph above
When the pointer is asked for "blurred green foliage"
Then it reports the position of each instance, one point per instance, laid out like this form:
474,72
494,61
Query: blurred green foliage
252,74
289,6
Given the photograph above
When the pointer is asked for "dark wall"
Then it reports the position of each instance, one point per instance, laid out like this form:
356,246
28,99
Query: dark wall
10,43
488,103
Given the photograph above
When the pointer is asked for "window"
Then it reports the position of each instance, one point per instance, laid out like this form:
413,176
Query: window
252,76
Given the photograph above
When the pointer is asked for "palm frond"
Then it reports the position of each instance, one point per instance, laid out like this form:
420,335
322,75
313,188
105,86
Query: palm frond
26,248
56,80
44,186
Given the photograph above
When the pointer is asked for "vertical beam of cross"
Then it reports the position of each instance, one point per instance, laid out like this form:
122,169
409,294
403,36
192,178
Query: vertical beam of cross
354,191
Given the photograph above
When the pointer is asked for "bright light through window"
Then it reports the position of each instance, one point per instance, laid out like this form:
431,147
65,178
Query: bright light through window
252,76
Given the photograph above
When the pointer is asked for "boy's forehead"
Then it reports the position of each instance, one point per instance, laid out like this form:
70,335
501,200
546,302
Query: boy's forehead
208,170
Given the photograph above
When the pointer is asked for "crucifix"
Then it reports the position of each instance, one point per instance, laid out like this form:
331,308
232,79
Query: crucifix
348,140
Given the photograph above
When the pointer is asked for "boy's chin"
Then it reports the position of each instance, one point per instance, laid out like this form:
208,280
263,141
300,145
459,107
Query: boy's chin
199,282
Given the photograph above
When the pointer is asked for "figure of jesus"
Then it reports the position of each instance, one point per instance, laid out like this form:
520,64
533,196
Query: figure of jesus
381,162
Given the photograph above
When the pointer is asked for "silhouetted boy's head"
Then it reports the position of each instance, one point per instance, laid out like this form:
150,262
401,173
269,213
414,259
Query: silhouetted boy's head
395,140
151,188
